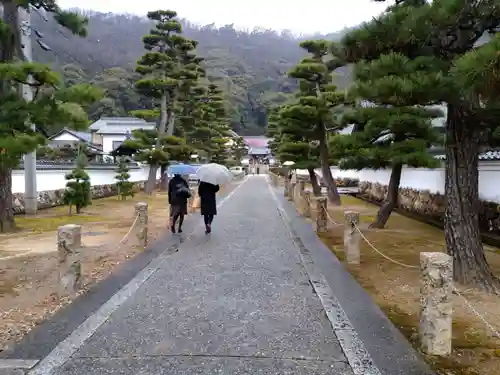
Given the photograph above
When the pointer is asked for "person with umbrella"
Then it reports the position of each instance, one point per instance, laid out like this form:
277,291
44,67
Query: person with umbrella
178,195
211,176
208,203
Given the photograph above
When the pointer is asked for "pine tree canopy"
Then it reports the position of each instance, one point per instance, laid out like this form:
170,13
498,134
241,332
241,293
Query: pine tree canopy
478,71
52,105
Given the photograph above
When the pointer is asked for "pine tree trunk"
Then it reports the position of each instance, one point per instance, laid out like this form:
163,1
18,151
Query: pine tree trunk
461,224
162,126
151,182
163,178
314,182
333,194
7,223
391,201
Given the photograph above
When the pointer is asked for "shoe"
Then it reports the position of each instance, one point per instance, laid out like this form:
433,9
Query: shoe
172,228
179,230
208,229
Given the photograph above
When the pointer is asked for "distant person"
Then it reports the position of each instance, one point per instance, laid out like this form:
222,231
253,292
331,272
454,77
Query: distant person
208,203
178,195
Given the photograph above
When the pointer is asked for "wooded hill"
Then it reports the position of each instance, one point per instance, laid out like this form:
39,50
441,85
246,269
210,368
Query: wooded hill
250,66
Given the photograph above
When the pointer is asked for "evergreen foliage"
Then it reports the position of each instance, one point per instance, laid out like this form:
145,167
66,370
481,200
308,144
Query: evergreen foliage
317,109
168,65
78,187
52,104
124,186
440,39
389,133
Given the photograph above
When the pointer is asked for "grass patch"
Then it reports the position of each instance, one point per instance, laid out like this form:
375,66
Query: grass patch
46,223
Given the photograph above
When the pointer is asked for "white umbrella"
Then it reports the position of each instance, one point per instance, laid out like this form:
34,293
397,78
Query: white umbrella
288,163
215,174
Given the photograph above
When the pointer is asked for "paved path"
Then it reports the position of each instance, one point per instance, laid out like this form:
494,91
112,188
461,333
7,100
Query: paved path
247,299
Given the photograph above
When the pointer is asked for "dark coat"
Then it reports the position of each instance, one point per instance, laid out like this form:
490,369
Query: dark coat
174,199
208,202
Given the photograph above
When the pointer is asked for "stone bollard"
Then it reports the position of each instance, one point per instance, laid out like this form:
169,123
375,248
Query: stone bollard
274,180
141,212
352,237
307,203
291,193
192,199
69,242
321,218
287,188
435,303
301,186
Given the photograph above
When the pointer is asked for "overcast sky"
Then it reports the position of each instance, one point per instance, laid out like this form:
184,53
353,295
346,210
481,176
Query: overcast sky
325,15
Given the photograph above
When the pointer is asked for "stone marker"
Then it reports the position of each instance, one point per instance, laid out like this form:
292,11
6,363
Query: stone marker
274,179
307,203
191,200
352,237
69,243
435,303
321,218
287,188
141,210
291,193
301,185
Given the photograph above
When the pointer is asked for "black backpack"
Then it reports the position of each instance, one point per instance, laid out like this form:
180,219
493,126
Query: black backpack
182,192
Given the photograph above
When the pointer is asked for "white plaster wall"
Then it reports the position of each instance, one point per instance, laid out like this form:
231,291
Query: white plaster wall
66,137
54,179
428,179
107,141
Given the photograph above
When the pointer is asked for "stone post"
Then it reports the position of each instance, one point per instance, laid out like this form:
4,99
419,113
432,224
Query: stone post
321,218
307,203
435,303
191,200
274,179
141,212
287,187
69,242
291,193
352,237
301,185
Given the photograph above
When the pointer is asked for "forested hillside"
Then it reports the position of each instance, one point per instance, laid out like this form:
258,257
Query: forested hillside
250,67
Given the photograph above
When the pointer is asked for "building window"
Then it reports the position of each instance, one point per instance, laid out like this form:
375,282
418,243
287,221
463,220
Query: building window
117,144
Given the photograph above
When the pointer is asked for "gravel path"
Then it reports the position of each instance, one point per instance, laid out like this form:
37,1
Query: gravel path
238,301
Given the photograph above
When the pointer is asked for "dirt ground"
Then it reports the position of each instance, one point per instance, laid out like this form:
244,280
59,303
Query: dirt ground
28,257
396,289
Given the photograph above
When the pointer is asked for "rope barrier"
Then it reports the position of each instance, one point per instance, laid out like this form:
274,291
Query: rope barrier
381,253
465,300
482,318
123,240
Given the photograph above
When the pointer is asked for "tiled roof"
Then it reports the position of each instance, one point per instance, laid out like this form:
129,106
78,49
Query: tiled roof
116,121
486,156
124,129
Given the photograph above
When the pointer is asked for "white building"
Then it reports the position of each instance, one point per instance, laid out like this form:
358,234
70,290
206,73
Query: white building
111,132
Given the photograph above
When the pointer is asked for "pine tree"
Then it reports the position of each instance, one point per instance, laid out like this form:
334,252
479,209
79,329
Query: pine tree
78,187
124,186
210,132
144,143
441,33
238,150
389,134
294,142
319,105
163,68
52,104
